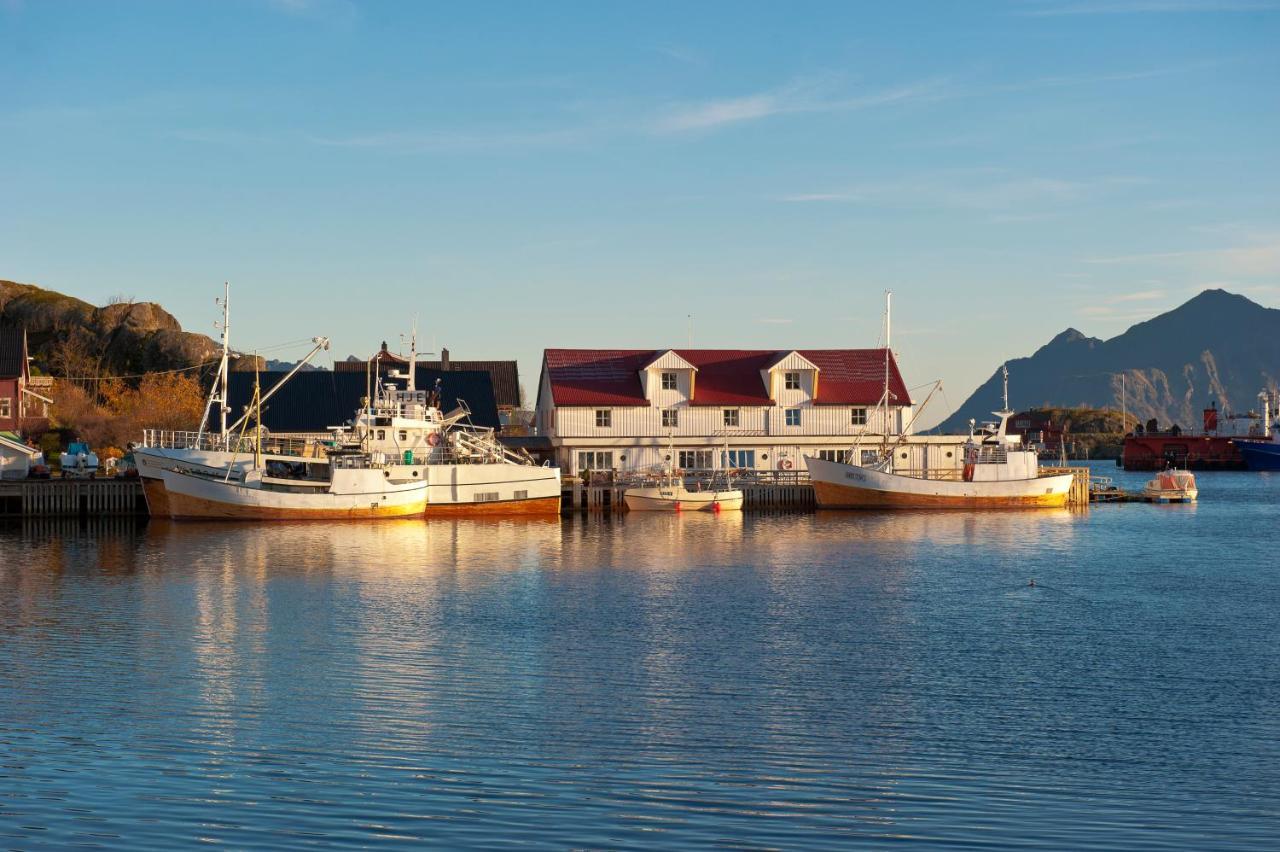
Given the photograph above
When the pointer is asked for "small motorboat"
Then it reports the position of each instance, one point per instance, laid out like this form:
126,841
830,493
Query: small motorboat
672,496
79,462
1171,486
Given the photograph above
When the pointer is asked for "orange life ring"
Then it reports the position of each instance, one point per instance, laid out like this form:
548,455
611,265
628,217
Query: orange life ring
785,464
434,439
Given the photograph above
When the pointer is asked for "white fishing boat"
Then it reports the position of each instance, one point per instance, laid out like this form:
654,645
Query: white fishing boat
466,469
999,473
669,493
673,496
1171,486
345,485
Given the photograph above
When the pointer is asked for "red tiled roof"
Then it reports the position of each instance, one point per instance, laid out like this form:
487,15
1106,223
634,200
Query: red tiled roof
724,377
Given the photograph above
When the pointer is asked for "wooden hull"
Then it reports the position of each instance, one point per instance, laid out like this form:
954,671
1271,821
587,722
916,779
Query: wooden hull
157,497
531,506
663,500
193,497
842,486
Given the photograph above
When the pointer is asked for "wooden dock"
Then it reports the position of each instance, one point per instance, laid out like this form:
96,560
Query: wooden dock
71,498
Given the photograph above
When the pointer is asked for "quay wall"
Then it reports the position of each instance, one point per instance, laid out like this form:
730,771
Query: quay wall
71,498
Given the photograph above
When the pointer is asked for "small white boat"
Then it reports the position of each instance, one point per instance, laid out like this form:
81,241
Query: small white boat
672,496
1172,486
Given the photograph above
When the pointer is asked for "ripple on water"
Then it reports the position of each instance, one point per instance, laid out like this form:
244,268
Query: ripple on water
776,681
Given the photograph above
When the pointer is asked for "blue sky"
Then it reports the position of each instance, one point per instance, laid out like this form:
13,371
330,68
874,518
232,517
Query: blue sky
524,175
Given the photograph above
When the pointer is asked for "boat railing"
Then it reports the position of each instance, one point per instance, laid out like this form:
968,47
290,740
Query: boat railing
174,439
992,455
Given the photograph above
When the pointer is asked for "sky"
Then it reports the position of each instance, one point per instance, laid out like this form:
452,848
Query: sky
520,176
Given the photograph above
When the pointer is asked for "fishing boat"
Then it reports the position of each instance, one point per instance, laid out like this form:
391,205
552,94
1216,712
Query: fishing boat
999,473
346,485
466,469
1171,486
350,487
670,493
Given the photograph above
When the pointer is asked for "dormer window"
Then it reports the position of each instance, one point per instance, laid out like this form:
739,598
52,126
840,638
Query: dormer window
669,381
791,381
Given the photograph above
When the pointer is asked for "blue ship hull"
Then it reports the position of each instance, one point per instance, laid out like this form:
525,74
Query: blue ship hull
1260,455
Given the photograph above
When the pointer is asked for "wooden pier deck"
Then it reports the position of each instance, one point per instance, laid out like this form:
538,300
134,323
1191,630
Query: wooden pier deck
71,498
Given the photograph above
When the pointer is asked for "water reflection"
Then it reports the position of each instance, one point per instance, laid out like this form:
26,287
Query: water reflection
692,680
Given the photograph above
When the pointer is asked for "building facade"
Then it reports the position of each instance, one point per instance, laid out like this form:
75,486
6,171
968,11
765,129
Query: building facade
629,410
21,406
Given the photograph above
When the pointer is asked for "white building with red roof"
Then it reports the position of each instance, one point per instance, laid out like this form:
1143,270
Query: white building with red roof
628,409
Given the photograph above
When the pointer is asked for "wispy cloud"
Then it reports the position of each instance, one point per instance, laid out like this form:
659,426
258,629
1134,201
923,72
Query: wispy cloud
681,53
446,141
795,98
775,321
1016,198
1261,257
1133,7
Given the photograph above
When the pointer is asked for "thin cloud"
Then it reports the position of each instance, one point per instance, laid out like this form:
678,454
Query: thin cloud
447,141
1260,258
793,99
1014,198
775,321
1135,7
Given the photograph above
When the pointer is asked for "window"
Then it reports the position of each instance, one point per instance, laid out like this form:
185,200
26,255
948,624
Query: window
791,381
731,417
670,418
485,497
738,458
404,435
870,457
858,416
669,381
522,495
793,417
604,418
6,406
832,455
595,460
382,434
694,459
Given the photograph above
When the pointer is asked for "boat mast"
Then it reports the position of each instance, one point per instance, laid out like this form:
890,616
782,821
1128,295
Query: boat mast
218,391
413,356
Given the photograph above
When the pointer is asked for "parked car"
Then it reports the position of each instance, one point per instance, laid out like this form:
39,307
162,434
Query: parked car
79,462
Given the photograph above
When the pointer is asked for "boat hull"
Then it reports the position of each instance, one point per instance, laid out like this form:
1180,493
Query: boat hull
191,497
452,489
667,500
843,486
1260,455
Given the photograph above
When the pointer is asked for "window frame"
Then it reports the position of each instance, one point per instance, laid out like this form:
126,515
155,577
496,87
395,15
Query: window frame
791,418
791,381
672,415
6,407
675,381
703,459
605,415
731,414
858,416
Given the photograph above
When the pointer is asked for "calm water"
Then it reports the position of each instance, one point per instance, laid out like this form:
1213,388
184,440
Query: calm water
774,681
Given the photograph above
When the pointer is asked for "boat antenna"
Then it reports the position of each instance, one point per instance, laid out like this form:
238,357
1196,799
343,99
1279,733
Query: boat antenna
1004,370
413,356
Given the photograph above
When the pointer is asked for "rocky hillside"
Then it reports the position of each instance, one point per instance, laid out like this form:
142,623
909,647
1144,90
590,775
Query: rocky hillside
68,336
1219,346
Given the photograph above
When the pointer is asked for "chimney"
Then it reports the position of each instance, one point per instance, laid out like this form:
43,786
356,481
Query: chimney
444,359
1211,417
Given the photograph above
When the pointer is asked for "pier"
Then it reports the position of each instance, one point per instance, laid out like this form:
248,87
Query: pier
774,491
72,498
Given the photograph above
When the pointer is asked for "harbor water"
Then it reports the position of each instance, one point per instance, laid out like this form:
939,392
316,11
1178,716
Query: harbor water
638,681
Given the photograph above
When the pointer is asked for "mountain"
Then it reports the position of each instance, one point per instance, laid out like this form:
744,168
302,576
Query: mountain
1219,347
70,337
272,365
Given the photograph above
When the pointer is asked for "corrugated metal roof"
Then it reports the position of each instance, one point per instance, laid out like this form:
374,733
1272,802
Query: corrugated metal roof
11,351
725,376
504,375
314,401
